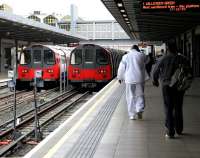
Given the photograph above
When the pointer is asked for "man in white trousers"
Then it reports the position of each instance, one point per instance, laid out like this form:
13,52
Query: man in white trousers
132,71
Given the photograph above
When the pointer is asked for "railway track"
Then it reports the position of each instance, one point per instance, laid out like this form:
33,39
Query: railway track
8,96
46,113
8,124
6,102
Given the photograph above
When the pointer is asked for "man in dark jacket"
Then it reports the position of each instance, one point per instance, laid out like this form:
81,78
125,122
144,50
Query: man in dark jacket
173,99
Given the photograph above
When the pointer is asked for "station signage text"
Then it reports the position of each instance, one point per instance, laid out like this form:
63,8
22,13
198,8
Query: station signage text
170,5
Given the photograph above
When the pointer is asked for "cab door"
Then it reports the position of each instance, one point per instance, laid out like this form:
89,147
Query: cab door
37,56
89,63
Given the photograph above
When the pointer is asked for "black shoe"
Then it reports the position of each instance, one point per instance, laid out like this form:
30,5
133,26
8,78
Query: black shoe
169,136
179,133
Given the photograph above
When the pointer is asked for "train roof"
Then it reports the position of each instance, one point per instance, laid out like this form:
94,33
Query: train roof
106,48
55,48
60,49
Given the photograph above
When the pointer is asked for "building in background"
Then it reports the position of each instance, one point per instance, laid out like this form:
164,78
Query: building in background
50,19
74,17
5,7
104,32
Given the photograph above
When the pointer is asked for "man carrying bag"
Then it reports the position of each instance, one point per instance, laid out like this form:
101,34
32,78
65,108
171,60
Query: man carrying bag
165,70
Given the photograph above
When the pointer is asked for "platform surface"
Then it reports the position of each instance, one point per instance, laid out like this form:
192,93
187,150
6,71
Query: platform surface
126,138
4,79
110,134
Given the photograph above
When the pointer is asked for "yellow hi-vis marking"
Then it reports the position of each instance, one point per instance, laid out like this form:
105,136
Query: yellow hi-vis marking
58,145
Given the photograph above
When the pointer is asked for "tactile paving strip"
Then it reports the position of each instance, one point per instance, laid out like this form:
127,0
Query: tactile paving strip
85,147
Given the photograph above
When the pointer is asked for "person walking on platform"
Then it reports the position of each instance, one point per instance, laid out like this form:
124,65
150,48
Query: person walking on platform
149,63
173,98
132,71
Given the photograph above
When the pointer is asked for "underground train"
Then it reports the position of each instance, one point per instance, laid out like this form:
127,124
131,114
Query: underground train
92,65
50,61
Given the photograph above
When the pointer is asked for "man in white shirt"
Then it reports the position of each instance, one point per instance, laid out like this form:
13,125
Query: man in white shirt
132,71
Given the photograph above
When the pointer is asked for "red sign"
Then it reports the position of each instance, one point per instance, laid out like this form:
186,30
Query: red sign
171,5
73,44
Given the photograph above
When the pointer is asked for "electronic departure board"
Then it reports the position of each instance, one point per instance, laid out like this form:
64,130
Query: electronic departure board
170,5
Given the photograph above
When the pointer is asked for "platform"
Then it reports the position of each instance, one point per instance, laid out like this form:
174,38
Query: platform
4,79
105,131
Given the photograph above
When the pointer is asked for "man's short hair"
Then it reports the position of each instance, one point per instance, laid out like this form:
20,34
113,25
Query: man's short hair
171,45
135,47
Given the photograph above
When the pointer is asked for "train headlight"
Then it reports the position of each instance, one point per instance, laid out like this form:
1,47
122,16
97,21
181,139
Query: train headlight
50,71
102,71
24,71
75,71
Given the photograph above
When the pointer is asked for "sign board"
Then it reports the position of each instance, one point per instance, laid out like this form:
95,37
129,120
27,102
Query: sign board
38,73
11,84
73,44
170,5
10,74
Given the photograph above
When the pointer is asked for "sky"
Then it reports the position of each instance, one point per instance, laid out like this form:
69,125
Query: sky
87,9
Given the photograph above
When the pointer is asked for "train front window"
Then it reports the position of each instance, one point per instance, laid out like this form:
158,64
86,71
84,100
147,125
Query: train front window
101,57
76,57
37,58
25,57
89,55
49,57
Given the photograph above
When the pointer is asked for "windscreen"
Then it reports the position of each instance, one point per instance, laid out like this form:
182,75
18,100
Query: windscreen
102,57
76,56
49,58
25,57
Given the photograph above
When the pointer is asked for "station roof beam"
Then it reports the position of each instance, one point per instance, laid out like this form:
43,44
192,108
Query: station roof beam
19,28
148,25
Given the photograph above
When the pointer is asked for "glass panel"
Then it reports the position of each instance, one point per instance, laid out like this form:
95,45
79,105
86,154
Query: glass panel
49,57
37,56
102,57
76,56
63,59
89,55
25,57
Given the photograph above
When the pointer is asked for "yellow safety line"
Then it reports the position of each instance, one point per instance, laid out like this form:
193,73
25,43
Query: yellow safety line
58,145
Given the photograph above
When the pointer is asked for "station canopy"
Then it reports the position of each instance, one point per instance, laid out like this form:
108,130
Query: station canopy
155,20
19,28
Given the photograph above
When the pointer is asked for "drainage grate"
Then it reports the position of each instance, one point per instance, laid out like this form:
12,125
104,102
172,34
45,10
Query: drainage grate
85,147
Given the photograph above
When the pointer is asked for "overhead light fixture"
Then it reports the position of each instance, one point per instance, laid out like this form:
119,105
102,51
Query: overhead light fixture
124,15
122,10
8,33
126,19
128,22
129,25
119,4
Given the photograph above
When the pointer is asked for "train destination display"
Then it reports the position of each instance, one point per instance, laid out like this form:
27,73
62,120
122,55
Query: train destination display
171,5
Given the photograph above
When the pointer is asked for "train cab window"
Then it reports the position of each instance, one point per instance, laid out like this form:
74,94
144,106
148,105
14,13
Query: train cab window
37,58
49,57
25,57
89,54
76,57
102,57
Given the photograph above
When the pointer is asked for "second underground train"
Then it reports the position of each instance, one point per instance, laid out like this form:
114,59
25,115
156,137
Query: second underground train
91,65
